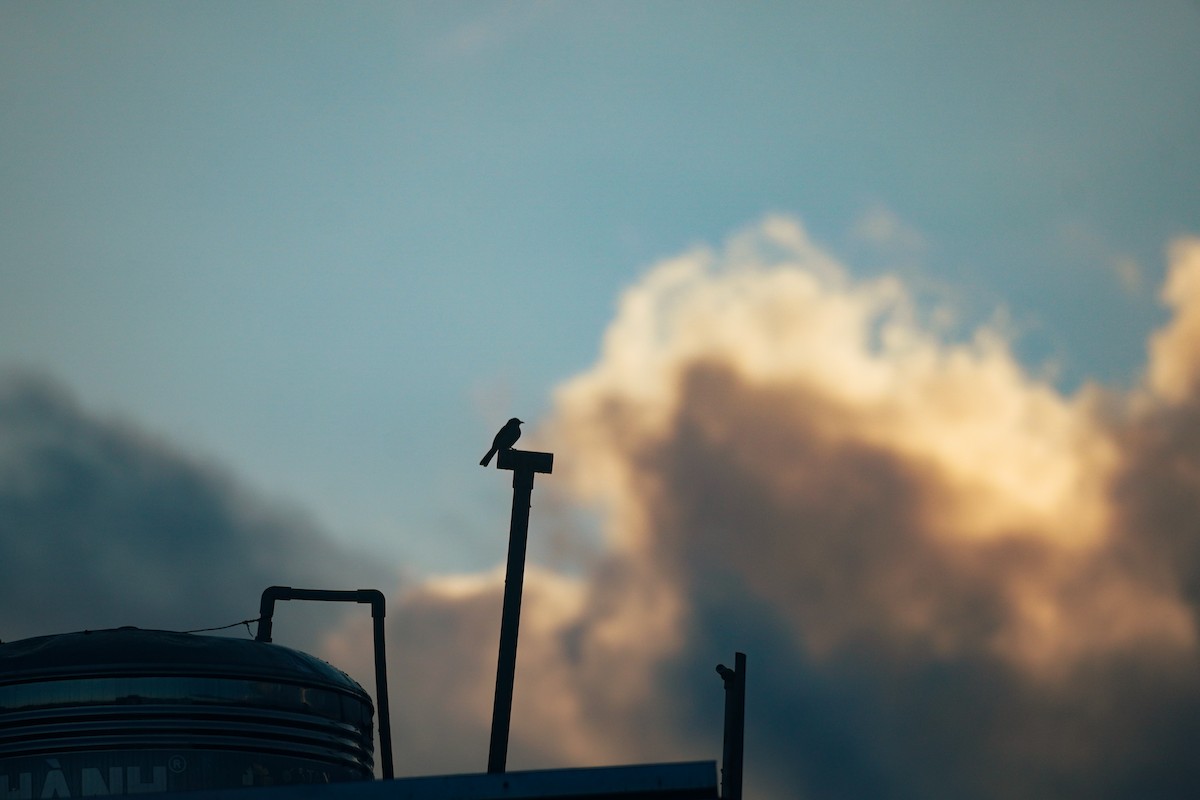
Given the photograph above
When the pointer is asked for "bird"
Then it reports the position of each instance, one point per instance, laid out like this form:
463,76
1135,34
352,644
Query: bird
505,439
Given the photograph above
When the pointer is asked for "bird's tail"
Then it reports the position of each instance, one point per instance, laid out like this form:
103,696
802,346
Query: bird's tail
487,458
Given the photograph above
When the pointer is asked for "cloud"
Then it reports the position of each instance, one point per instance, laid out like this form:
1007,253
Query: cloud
104,525
882,228
950,578
1175,350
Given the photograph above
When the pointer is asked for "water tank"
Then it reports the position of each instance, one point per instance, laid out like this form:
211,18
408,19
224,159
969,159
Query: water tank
131,711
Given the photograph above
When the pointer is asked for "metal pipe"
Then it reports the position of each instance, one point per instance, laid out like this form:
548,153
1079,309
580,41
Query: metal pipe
510,620
524,465
734,744
266,611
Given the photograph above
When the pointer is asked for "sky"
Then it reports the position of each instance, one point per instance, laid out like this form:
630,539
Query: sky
865,337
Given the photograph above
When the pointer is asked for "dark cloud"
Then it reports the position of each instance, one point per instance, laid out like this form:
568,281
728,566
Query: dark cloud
877,671
103,525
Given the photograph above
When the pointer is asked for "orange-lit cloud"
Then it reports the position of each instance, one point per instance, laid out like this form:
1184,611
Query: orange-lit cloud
1175,351
767,373
953,577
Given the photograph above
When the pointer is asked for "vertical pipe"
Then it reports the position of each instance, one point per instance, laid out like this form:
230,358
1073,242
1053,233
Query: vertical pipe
381,692
735,727
514,578
266,611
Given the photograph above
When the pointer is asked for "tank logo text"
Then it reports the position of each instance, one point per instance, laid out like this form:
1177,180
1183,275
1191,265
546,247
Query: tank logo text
89,782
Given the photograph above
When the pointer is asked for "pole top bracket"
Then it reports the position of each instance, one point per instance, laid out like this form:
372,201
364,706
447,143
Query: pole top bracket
526,461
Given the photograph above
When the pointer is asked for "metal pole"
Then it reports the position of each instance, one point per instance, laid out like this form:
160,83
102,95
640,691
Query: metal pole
510,620
524,464
735,727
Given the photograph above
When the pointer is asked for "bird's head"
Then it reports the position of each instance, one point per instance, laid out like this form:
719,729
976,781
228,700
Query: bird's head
514,421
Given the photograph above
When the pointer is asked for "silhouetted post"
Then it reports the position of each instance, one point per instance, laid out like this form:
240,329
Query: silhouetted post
524,464
735,727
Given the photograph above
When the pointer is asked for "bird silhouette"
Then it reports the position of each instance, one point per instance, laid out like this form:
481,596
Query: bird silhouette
505,439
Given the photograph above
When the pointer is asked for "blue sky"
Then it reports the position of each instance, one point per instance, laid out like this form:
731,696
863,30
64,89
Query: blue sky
332,247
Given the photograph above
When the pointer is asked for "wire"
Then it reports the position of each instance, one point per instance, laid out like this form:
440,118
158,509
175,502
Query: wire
245,622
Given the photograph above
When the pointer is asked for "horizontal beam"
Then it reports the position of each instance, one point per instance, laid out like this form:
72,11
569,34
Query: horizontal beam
526,461
694,780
